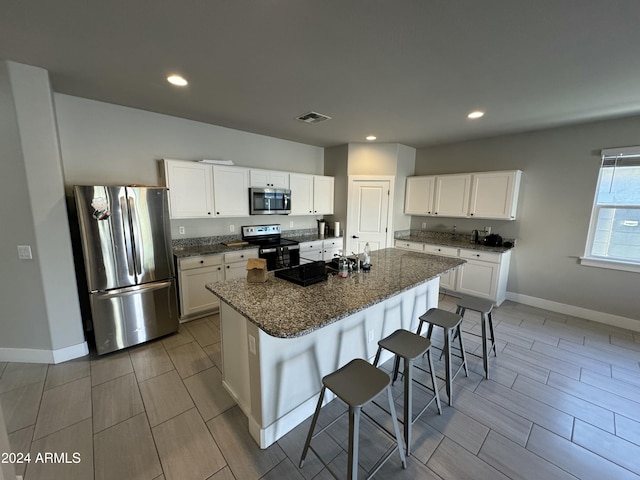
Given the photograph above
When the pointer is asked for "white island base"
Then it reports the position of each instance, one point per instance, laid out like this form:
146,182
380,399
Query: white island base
276,381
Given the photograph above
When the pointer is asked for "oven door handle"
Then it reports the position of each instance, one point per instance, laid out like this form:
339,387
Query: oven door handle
268,250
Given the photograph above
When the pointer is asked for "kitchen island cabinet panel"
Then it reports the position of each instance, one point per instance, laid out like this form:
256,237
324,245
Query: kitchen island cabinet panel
279,339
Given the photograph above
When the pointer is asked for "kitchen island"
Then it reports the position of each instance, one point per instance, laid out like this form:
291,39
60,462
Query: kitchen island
279,339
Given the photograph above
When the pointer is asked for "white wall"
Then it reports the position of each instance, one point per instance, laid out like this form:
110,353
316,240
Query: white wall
560,170
41,317
110,144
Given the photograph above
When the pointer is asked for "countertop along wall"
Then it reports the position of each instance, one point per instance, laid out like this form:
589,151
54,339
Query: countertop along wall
110,144
560,170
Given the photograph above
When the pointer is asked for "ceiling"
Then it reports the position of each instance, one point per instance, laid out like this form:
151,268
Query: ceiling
406,71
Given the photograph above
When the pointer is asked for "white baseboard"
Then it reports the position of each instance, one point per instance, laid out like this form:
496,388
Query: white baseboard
593,315
32,355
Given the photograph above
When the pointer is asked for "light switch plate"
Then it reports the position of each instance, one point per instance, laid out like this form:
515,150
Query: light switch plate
24,252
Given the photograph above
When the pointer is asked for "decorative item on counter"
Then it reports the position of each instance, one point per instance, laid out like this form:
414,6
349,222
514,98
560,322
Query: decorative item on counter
343,266
366,262
321,226
256,270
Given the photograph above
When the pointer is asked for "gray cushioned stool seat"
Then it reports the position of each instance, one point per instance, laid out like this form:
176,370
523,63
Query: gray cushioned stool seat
409,346
356,384
484,308
450,323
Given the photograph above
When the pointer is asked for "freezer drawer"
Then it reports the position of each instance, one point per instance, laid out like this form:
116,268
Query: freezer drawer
133,315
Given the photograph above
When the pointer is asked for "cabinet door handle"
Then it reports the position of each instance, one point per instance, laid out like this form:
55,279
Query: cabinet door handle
208,213
217,213
477,255
219,268
201,261
228,266
471,214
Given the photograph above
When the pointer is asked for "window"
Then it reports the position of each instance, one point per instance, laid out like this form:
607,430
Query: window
614,231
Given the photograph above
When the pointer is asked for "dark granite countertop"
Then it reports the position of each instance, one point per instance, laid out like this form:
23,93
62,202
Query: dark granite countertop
284,309
461,241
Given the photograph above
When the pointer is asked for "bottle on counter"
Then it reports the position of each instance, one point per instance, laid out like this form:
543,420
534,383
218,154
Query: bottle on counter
366,261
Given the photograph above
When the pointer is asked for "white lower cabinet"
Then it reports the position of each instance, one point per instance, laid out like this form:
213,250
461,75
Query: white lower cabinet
196,272
447,280
484,275
235,263
311,251
332,248
320,250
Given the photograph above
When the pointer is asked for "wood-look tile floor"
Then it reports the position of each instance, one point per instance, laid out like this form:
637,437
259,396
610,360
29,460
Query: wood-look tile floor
562,402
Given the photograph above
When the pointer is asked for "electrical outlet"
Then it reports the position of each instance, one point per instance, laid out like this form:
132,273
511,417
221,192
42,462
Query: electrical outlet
232,228
370,336
424,225
291,224
252,344
181,230
24,252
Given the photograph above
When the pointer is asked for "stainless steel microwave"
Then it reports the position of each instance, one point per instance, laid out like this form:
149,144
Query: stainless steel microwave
269,201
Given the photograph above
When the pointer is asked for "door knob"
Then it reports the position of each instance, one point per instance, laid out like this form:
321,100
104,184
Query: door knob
354,236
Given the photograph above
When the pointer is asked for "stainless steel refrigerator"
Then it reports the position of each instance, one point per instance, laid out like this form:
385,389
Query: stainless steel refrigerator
126,245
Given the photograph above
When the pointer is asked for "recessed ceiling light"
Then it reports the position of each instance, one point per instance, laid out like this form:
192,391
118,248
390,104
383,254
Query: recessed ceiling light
177,80
371,138
475,114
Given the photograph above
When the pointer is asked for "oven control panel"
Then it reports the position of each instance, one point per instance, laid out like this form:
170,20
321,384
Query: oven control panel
260,230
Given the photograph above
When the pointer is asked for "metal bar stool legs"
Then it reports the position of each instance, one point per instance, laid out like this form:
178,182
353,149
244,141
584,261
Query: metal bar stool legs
450,323
409,347
356,384
484,308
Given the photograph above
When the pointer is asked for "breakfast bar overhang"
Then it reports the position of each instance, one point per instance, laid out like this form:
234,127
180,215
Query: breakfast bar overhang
279,339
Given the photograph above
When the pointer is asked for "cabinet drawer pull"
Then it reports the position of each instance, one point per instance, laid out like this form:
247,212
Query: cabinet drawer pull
201,261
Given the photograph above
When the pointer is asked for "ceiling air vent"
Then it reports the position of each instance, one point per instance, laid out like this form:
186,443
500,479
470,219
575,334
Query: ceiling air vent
313,117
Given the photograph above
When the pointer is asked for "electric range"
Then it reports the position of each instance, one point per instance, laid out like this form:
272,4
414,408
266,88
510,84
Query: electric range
278,252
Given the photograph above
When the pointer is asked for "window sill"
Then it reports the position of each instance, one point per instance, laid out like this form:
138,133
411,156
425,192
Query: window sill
610,264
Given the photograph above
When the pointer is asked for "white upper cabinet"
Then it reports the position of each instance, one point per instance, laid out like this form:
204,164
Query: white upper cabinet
419,195
301,186
451,197
322,195
495,194
231,191
268,178
190,188
492,195
311,194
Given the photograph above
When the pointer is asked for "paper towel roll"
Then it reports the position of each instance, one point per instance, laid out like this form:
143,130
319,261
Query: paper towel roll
336,229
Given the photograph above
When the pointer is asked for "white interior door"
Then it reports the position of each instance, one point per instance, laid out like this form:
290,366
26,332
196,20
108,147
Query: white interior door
368,219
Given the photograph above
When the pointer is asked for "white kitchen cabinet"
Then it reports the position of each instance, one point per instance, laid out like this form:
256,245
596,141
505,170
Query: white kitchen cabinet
190,188
406,245
301,186
495,194
323,195
235,263
194,273
332,247
231,191
311,194
311,251
448,280
419,195
451,198
268,178
484,275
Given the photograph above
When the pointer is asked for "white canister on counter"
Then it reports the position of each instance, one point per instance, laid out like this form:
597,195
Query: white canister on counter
336,229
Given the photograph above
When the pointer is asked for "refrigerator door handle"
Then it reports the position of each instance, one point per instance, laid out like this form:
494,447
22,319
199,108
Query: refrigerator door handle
126,229
121,292
135,224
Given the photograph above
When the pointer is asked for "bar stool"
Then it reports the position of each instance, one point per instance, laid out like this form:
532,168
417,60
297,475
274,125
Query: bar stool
484,308
409,347
450,323
356,384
